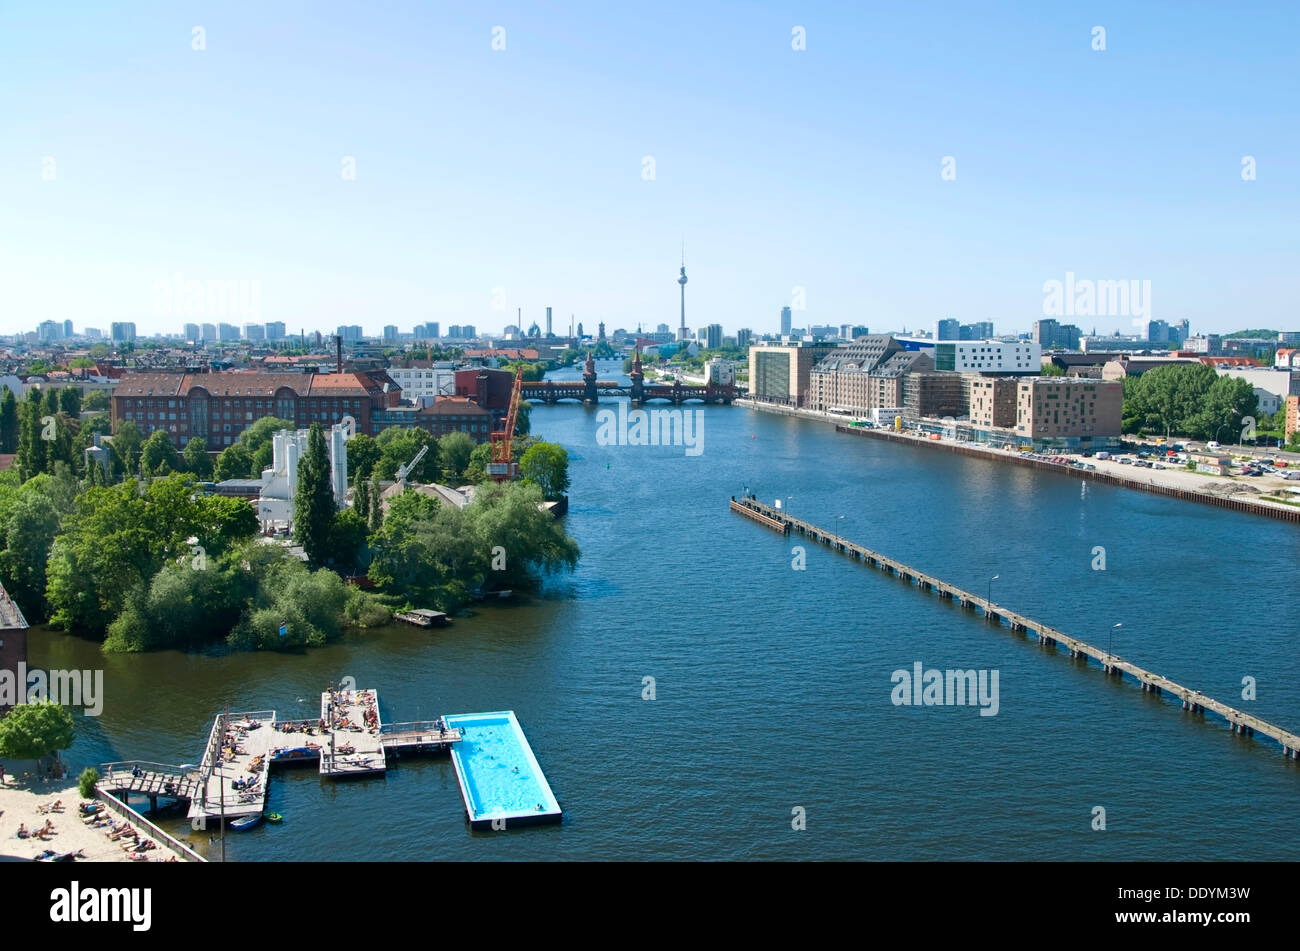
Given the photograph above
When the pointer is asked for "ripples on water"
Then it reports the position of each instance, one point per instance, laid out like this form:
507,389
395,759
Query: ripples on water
773,685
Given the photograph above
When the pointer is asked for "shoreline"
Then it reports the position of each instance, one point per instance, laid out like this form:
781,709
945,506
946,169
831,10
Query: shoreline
20,800
1171,483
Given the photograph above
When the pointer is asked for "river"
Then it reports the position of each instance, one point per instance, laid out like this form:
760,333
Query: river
773,685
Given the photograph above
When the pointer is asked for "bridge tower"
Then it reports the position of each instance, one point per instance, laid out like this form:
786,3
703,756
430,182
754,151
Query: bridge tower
589,394
638,378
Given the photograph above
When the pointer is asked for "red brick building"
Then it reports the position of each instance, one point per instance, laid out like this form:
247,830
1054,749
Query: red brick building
217,407
13,638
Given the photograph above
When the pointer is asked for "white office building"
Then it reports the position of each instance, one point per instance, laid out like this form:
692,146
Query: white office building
980,356
423,379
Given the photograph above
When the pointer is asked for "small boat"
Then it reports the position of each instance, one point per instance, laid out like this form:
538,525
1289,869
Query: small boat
246,822
275,818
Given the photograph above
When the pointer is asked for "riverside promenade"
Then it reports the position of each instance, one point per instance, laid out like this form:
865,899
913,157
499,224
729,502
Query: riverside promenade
1193,701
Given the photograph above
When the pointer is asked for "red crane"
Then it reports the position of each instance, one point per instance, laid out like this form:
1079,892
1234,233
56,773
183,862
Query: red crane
502,468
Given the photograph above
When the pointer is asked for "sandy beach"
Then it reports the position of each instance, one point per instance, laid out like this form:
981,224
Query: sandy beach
20,802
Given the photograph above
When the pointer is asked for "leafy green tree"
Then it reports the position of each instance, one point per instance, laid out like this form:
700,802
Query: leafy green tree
397,447
547,465
476,471
348,540
223,521
185,605
49,400
262,431
113,545
455,449
95,400
313,504
31,458
234,462
196,459
9,425
509,516
126,445
70,401
29,533
35,731
376,507
363,453
158,456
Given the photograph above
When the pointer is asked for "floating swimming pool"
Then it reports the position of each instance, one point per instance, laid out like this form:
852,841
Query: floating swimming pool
499,778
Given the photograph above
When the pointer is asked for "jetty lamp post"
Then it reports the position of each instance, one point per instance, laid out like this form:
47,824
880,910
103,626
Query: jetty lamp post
1110,642
989,599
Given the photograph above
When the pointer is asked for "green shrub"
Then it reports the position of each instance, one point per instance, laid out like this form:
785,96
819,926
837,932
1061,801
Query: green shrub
86,782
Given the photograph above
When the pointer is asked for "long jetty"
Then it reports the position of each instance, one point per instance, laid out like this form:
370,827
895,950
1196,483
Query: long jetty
1281,512
1194,701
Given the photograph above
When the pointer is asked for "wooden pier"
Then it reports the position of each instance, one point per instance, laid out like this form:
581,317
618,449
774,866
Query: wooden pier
1193,701
349,739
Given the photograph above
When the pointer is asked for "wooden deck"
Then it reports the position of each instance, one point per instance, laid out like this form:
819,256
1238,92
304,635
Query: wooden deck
1193,701
353,746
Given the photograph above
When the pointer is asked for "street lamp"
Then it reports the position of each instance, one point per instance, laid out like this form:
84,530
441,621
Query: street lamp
989,599
1110,643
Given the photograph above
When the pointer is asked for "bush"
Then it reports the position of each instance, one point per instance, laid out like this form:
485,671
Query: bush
86,782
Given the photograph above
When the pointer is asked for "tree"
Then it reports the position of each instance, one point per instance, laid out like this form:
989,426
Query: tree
126,444
70,401
158,456
96,400
223,521
234,462
9,426
261,432
476,471
397,447
49,401
313,504
35,731
363,453
348,539
29,534
31,447
196,460
547,465
455,449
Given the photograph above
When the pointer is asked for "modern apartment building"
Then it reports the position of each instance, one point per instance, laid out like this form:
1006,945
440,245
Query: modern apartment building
123,332
781,372
1068,412
987,356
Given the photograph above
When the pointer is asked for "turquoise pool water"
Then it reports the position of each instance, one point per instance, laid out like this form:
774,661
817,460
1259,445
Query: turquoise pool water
499,776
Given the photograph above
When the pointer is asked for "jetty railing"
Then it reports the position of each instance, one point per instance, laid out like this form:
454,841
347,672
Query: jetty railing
1194,701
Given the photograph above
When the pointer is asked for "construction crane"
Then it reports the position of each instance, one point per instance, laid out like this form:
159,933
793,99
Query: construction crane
502,468
404,471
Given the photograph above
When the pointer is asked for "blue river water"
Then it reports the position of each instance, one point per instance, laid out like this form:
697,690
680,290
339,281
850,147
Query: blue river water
772,685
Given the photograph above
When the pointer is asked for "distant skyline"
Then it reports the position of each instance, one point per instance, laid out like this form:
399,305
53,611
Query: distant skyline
908,165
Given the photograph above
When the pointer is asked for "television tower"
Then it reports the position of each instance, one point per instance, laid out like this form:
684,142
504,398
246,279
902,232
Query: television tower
681,280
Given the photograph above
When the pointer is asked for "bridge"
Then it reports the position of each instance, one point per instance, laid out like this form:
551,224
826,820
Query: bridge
590,390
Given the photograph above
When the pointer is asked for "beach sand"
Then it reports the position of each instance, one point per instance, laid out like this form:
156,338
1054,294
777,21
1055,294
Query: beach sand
19,802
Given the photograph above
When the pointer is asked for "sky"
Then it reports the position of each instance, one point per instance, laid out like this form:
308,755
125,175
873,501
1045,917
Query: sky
910,162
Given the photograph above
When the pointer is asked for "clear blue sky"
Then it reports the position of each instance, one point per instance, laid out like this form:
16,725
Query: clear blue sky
522,168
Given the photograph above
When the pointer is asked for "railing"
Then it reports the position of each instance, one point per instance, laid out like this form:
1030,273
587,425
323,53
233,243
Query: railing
183,851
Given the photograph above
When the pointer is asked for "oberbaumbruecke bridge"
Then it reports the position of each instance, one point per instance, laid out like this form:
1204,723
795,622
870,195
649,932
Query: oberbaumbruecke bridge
590,390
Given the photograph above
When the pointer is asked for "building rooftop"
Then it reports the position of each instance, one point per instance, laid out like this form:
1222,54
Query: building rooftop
11,616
